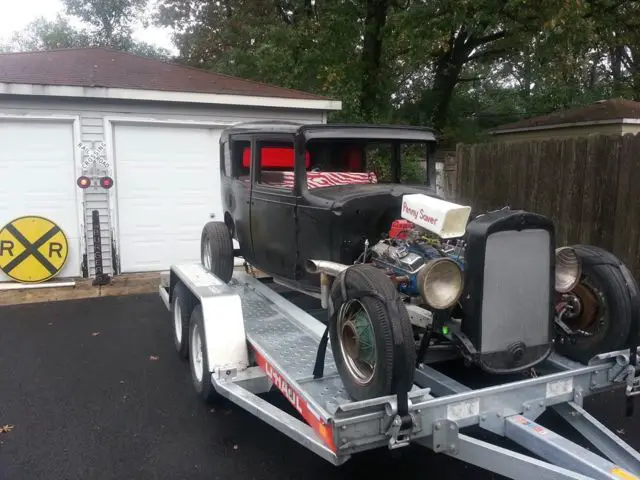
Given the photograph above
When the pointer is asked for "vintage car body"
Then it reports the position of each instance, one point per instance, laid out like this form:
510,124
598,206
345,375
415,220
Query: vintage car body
279,229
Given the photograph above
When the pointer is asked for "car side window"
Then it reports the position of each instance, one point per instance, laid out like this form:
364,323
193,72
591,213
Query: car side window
225,158
276,161
240,166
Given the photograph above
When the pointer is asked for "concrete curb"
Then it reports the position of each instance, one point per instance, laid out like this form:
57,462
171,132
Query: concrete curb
126,284
83,288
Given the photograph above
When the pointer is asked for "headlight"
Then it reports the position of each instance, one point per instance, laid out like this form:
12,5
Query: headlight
440,283
568,269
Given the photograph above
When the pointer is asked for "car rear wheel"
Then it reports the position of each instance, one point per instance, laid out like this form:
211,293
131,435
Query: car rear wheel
374,356
216,250
599,310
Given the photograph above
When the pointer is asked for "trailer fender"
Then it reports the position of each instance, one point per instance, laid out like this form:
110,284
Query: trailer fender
224,332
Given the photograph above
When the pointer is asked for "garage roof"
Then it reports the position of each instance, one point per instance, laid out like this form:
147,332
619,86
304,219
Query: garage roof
601,112
109,73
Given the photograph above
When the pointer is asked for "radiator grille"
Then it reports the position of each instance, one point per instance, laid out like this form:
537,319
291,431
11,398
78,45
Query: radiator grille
516,291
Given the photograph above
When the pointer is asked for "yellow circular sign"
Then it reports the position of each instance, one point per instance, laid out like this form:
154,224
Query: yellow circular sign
32,249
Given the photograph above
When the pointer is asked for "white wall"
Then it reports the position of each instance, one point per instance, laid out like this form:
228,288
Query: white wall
92,122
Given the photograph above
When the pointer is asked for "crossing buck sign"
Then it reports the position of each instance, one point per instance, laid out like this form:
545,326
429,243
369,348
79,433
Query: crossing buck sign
33,249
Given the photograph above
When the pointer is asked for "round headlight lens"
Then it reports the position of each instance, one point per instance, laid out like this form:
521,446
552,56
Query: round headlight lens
568,269
440,283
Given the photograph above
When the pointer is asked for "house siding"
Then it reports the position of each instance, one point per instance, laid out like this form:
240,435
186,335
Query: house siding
92,116
559,133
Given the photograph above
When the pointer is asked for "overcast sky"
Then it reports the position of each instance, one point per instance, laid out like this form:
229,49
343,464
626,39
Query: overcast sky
17,14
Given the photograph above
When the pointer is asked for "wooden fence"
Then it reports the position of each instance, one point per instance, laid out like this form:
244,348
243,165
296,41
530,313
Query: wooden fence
589,186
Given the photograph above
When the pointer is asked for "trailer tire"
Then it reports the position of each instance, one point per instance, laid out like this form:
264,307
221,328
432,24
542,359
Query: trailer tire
372,292
198,359
182,304
603,291
216,250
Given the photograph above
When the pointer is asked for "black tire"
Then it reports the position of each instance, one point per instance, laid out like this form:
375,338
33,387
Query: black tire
394,366
201,380
602,278
216,250
182,304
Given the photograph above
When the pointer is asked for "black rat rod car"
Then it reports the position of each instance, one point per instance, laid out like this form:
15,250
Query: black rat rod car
349,214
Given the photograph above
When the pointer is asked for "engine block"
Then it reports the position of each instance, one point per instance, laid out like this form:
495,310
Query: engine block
404,258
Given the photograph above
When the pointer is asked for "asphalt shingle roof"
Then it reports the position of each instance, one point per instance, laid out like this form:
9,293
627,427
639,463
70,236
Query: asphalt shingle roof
614,109
100,67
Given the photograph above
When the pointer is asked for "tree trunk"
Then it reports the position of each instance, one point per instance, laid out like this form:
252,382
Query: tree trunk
616,69
375,21
447,75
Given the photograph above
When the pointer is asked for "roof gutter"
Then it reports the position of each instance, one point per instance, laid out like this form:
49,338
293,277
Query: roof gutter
165,96
614,121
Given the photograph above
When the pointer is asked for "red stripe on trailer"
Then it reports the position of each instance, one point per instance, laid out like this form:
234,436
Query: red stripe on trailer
299,403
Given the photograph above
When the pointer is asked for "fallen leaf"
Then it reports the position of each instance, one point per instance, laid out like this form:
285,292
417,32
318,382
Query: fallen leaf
153,357
6,429
95,334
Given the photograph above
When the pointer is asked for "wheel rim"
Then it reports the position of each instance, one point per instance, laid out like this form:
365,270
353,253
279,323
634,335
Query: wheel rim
196,356
207,255
591,312
177,320
357,341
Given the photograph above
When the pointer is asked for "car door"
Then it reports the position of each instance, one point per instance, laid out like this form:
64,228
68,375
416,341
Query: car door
236,191
273,204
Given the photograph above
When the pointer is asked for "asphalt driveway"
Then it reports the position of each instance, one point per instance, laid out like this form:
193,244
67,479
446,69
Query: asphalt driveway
94,389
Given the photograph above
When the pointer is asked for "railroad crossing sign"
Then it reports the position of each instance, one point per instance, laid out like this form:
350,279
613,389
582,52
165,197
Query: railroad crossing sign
32,249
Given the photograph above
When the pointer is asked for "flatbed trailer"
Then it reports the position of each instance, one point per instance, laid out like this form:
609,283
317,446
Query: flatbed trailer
252,337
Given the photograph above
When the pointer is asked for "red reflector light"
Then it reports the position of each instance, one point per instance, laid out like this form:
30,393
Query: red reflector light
106,182
83,182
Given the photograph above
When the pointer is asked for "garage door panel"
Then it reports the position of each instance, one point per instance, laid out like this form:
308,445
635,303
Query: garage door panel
37,168
167,186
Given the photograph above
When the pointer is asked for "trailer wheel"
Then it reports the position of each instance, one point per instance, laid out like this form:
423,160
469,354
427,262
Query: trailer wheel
373,356
198,362
181,307
601,311
216,250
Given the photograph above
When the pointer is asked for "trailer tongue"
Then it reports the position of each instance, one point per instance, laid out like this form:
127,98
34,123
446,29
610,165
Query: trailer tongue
248,337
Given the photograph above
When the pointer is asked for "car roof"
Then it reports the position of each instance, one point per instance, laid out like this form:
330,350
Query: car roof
261,127
334,130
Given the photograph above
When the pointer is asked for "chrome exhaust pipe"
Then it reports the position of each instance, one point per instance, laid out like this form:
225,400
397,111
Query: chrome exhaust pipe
326,270
324,266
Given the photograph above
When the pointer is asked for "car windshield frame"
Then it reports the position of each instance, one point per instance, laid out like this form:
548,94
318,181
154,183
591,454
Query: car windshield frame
393,136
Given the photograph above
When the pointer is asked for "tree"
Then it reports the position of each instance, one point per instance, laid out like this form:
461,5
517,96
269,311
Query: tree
43,34
314,46
459,65
103,23
110,21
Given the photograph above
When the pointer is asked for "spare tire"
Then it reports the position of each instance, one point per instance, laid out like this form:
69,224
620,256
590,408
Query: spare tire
216,250
370,333
604,314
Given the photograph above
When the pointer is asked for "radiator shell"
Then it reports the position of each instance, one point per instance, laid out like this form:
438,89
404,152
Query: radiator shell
508,298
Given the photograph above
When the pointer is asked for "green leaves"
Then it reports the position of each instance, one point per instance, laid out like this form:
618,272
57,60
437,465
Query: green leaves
103,23
464,66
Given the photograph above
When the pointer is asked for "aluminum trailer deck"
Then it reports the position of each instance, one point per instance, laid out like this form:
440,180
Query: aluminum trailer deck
254,338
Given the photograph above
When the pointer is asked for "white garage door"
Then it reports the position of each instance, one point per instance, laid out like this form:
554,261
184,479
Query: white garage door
168,185
37,175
